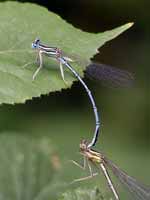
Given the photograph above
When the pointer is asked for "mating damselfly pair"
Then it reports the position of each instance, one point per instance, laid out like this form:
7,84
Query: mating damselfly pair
140,191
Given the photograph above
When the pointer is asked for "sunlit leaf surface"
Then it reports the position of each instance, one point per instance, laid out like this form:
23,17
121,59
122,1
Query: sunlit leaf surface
20,24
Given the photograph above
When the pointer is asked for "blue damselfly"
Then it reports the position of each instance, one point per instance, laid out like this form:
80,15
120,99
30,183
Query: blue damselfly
56,53
98,70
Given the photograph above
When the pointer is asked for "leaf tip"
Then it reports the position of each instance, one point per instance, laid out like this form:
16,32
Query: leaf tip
130,24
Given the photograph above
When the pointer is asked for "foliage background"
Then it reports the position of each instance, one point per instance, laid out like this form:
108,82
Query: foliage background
65,117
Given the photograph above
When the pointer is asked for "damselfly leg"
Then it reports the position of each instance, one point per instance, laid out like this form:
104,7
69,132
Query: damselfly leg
27,64
83,167
86,163
62,72
40,60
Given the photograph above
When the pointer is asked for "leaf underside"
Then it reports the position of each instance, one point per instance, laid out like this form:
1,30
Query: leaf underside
26,169
82,194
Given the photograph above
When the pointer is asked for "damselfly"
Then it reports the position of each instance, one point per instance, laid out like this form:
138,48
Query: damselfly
103,72
56,53
100,161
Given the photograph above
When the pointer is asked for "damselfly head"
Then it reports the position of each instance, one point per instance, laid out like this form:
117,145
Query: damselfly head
35,44
83,145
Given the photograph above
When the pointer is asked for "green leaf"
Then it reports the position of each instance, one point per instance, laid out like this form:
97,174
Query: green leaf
82,194
20,24
26,169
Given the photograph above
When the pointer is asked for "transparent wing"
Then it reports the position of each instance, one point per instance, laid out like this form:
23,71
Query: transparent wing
139,190
109,76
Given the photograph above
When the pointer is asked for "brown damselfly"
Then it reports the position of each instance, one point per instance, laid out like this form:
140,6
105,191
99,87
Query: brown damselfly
100,161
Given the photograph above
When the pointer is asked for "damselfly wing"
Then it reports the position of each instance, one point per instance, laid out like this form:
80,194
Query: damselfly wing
137,189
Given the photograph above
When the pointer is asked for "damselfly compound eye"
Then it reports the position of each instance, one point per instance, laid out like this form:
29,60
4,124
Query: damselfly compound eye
37,41
33,45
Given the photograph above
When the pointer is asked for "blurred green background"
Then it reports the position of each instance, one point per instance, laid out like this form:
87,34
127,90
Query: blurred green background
66,117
